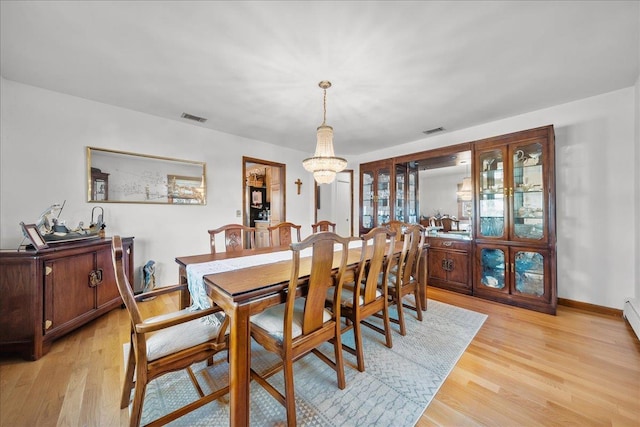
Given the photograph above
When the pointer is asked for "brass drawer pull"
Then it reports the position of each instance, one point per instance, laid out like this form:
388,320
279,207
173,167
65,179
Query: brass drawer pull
95,278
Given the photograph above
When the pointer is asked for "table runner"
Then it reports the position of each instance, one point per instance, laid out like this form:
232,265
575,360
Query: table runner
196,273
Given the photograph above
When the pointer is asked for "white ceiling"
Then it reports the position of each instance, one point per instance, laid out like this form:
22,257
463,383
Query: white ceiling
252,68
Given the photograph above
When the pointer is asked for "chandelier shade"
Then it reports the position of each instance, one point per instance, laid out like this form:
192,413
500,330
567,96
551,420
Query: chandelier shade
465,190
324,164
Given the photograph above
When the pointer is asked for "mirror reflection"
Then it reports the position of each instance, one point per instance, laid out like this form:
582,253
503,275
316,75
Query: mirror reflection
444,192
122,177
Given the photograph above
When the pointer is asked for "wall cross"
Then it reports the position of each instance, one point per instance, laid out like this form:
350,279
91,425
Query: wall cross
299,184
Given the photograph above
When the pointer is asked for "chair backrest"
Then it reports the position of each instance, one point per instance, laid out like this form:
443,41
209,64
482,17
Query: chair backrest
449,224
321,279
395,226
380,261
234,237
122,282
414,239
284,232
323,226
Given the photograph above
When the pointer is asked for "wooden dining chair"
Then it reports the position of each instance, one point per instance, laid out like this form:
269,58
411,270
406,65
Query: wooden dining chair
298,326
234,237
395,226
166,343
449,224
366,299
281,234
403,277
323,226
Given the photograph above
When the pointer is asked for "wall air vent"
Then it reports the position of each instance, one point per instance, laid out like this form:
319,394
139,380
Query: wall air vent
432,131
192,117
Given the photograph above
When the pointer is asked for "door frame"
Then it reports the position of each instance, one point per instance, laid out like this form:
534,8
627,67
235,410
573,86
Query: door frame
283,184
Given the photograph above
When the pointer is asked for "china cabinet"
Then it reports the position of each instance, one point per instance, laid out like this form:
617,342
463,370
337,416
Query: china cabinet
49,293
99,185
515,225
506,248
375,194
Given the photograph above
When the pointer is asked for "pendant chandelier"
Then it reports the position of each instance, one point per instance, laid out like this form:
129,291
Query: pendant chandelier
324,164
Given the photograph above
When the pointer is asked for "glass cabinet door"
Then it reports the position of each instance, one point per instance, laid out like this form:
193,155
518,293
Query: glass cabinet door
412,196
367,199
400,193
491,200
529,272
383,208
528,209
493,268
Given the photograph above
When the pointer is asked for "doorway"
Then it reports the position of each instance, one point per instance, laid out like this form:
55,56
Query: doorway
263,196
334,202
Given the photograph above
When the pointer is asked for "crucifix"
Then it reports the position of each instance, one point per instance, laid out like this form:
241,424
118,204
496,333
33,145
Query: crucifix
299,184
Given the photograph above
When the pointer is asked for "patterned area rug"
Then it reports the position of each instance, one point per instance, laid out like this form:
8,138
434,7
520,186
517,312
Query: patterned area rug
396,387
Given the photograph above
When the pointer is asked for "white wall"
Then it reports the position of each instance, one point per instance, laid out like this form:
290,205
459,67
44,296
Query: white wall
637,188
597,217
43,136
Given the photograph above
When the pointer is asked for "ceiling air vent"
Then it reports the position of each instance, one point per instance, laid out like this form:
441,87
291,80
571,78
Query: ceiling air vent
192,117
432,131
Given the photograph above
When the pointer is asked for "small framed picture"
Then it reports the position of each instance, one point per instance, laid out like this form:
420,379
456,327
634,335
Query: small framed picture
33,234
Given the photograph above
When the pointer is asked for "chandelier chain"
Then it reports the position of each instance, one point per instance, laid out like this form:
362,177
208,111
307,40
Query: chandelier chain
324,116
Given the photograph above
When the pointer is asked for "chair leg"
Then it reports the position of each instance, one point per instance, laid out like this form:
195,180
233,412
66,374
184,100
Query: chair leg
128,379
138,399
403,330
387,326
290,398
418,305
357,334
337,349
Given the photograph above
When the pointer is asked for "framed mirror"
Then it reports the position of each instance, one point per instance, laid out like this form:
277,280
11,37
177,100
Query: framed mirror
123,177
442,189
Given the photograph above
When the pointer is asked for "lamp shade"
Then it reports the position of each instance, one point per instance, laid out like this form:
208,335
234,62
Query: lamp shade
465,189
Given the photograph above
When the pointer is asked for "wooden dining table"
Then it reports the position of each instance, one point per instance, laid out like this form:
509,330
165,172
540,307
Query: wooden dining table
246,291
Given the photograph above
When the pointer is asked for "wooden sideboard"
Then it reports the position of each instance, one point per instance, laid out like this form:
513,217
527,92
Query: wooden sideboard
49,293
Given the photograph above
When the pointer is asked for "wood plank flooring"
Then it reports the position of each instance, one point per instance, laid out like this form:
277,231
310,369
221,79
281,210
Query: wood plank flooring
522,369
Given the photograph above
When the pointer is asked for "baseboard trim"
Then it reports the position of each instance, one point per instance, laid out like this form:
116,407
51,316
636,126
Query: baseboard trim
590,307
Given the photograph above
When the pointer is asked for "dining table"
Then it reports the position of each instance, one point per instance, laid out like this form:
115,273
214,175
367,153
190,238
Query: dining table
246,289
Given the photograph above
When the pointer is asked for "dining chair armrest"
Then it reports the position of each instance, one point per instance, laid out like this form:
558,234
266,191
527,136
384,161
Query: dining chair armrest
160,291
188,316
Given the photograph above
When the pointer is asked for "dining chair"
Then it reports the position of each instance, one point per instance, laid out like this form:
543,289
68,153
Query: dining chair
395,226
366,299
298,326
403,277
449,224
435,221
283,231
234,237
166,343
323,226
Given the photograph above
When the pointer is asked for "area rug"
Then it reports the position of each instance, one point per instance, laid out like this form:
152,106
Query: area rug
396,387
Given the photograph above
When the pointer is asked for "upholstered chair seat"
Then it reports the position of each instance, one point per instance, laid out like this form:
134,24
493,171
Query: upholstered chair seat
181,336
271,319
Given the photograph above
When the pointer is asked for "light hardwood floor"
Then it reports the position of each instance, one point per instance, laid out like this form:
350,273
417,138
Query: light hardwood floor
522,369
